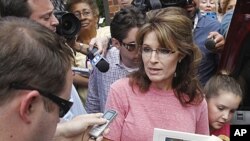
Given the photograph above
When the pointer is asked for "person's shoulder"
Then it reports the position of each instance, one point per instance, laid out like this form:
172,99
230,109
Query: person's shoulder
122,82
208,21
227,16
104,31
113,54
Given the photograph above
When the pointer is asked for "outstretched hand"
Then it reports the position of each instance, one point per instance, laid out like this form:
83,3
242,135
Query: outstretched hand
77,129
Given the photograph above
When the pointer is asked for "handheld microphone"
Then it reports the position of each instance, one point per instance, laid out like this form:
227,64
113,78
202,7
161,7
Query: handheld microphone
98,61
210,44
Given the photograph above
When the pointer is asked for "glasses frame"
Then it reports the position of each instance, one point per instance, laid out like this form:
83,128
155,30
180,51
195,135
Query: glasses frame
84,13
64,105
157,51
129,46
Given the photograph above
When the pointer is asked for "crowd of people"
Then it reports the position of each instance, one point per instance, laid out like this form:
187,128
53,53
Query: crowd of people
161,74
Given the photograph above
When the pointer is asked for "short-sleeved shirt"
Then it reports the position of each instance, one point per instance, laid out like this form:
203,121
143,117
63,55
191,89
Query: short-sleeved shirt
139,113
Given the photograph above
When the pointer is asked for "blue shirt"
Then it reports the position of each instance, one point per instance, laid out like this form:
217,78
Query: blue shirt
209,62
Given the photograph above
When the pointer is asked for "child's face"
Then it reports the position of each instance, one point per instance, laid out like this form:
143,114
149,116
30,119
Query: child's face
207,5
222,108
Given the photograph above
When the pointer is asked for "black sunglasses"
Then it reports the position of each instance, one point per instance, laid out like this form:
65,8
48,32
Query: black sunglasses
130,46
64,105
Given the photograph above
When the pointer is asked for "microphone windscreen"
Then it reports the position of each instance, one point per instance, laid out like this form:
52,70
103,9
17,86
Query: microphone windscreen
91,53
102,65
210,44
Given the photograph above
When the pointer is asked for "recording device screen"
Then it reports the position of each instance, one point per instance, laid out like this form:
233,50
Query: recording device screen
109,115
97,130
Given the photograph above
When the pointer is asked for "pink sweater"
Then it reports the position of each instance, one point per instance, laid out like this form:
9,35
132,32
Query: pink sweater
139,114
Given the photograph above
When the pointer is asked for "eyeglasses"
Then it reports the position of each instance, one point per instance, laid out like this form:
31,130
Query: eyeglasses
130,46
84,13
161,52
64,105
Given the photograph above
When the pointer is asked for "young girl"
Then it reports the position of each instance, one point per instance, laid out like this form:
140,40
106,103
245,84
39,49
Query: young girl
223,96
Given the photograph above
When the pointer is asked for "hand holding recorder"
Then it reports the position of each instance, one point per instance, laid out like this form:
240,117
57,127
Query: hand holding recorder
97,130
77,128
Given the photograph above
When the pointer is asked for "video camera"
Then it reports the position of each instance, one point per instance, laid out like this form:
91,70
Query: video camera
147,5
69,24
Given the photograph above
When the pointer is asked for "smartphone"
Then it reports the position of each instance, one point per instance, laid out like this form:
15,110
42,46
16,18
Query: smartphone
97,130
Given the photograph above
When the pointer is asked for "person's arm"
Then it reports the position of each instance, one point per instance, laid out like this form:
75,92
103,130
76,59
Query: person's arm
99,42
78,128
80,80
80,47
102,43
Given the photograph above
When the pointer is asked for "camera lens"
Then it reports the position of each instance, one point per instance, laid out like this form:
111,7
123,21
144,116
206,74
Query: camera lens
69,24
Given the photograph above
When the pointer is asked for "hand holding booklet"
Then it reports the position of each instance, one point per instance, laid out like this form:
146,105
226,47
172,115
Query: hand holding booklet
170,135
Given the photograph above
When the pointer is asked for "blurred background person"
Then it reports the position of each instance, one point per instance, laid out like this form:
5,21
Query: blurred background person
226,10
205,28
226,5
88,13
223,95
165,91
208,8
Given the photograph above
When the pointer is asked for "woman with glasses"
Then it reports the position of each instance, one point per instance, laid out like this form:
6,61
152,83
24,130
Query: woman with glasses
164,92
88,13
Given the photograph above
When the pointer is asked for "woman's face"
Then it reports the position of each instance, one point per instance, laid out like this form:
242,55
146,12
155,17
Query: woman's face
160,65
85,14
231,5
221,108
207,5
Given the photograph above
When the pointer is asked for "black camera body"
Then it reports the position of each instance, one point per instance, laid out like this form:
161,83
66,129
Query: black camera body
69,24
147,5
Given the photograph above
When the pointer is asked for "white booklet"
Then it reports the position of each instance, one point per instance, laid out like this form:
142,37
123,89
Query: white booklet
170,135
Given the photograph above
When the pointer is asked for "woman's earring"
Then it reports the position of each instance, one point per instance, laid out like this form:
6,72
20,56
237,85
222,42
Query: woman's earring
179,61
174,74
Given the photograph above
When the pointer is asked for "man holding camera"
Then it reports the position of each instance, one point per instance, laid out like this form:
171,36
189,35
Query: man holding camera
41,11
